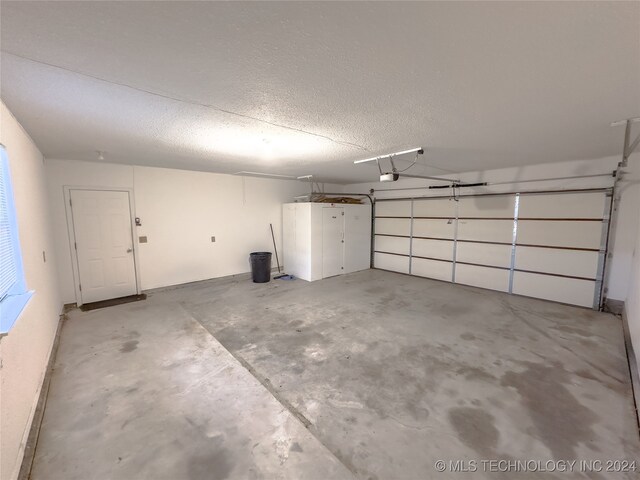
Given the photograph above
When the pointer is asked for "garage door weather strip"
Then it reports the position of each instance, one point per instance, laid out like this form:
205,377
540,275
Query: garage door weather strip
411,239
455,243
602,253
514,241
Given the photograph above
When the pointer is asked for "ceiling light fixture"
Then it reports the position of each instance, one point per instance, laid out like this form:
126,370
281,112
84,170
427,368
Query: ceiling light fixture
395,154
267,175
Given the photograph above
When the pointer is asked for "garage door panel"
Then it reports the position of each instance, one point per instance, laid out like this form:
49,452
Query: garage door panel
575,263
440,207
392,244
432,269
395,263
484,254
572,234
499,206
396,208
558,289
562,205
434,228
393,226
486,230
484,277
441,249
558,240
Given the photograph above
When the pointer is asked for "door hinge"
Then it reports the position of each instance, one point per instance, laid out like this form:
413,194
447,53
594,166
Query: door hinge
80,287
75,245
70,203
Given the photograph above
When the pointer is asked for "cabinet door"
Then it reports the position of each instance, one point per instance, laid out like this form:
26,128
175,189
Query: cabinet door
332,242
357,238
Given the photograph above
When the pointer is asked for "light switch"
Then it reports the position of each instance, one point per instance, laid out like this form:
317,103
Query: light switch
213,239
142,239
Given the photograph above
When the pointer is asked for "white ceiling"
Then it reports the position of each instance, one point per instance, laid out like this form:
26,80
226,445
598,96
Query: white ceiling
306,88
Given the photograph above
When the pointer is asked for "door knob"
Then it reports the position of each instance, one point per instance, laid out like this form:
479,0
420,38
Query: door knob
129,250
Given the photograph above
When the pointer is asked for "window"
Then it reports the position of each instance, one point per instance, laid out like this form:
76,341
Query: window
13,290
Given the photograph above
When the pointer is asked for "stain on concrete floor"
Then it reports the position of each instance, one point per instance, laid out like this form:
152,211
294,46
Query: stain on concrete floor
129,346
476,428
561,422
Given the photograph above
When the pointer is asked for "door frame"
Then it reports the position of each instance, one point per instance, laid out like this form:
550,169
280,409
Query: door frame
72,234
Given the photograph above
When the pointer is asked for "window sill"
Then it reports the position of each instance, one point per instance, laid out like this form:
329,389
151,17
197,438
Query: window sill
10,309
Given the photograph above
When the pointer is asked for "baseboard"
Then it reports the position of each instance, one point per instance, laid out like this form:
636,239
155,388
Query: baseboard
67,307
38,414
614,306
633,366
238,276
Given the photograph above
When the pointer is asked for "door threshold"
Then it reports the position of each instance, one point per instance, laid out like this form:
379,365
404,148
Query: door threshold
112,301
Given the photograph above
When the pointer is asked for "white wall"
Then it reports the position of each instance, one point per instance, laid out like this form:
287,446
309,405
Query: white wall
627,244
624,230
518,179
180,210
632,303
24,352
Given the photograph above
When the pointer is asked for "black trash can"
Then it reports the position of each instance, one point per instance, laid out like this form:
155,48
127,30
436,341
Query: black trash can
260,266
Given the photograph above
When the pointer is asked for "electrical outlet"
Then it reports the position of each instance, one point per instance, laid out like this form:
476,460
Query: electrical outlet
213,239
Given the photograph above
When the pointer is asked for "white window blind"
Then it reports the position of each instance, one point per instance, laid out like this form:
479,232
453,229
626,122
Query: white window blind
8,268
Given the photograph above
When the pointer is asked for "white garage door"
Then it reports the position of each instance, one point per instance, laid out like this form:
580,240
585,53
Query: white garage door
548,245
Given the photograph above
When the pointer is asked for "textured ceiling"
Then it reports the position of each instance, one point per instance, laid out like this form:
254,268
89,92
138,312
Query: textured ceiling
305,88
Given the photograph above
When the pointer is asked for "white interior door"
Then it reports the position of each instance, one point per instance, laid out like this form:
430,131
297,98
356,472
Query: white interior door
332,242
104,244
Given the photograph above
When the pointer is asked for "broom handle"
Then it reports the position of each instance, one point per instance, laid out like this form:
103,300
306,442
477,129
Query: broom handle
274,247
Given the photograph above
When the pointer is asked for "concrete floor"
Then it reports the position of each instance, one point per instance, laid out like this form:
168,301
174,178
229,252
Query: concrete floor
388,373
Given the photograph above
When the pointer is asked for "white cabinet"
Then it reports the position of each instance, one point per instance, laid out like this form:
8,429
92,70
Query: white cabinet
326,239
